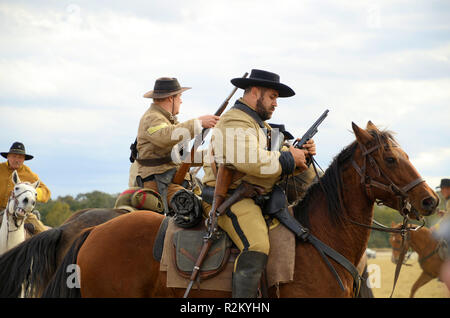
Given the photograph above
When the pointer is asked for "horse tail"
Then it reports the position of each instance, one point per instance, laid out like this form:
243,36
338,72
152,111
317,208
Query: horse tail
29,265
59,286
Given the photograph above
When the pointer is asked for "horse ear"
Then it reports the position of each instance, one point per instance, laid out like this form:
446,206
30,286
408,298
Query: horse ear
36,184
15,177
371,126
362,136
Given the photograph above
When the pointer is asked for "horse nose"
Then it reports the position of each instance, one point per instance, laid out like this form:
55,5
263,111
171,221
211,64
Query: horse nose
25,200
429,204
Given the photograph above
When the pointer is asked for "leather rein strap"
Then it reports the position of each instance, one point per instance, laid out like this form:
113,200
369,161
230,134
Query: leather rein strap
324,251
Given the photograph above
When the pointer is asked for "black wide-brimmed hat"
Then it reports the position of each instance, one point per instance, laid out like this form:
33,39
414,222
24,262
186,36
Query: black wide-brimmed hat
165,87
17,148
264,79
444,183
282,129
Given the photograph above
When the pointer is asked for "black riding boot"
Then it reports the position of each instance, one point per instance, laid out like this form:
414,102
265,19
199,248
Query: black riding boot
249,268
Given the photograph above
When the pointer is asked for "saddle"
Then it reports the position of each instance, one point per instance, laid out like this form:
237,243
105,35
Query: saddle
186,248
177,250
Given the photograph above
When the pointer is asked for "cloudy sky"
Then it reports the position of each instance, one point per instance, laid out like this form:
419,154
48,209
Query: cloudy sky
72,75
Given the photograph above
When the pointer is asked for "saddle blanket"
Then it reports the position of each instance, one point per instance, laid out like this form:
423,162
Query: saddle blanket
280,264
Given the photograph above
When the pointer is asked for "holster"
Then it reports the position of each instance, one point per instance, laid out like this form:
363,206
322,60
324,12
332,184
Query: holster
162,182
244,190
276,206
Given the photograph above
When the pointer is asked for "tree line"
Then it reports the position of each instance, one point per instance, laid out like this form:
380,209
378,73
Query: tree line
55,212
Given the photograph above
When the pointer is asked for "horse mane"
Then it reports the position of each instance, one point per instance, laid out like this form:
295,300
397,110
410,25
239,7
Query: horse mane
332,181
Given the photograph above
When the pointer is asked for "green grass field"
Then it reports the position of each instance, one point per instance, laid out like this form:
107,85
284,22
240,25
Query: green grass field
382,277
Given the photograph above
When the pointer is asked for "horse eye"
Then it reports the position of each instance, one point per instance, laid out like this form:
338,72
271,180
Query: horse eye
390,160
16,188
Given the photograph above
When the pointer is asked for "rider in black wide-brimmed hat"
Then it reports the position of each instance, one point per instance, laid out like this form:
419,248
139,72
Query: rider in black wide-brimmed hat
264,79
15,162
17,148
244,130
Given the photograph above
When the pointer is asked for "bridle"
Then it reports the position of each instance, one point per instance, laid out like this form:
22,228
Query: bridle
15,199
400,192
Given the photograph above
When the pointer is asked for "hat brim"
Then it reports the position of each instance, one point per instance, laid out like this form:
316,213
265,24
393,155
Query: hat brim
153,94
5,155
282,89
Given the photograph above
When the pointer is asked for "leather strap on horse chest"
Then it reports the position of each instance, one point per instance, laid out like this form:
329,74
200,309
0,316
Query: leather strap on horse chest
324,251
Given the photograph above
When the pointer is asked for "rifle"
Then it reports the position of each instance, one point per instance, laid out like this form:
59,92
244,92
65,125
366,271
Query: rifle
178,178
311,131
225,177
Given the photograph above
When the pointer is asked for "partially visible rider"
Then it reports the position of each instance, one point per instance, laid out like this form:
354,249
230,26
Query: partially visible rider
15,161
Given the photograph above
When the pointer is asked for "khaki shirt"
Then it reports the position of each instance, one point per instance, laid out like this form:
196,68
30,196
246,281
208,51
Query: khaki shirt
159,131
25,174
238,140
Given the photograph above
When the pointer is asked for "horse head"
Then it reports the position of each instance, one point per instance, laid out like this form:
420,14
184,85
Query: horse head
388,175
23,198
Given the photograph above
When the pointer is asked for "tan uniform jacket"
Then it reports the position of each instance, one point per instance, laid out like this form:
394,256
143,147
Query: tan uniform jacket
158,133
25,174
239,141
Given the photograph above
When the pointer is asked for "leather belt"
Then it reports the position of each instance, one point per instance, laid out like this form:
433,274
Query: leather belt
153,162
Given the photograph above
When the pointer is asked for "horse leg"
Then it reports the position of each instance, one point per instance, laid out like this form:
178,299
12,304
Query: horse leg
422,280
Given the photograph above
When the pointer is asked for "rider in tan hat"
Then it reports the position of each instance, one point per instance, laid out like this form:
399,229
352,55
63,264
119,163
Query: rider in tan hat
15,159
157,136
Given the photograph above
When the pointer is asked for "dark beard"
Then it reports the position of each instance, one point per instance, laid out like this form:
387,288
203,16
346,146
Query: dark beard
262,112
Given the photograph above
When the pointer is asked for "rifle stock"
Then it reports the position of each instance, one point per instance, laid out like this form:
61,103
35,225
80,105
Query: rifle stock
178,178
223,182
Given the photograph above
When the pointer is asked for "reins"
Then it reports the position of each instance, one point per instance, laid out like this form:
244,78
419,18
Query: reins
326,251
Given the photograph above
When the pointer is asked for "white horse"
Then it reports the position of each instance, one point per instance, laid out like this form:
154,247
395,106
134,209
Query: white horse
20,204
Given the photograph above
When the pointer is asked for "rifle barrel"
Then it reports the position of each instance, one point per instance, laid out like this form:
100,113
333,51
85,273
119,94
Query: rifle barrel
311,131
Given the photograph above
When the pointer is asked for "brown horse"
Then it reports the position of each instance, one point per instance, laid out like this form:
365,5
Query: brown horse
46,251
427,248
33,262
115,258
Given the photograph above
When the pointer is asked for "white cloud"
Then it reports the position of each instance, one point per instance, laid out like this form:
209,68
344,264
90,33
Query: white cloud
74,73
